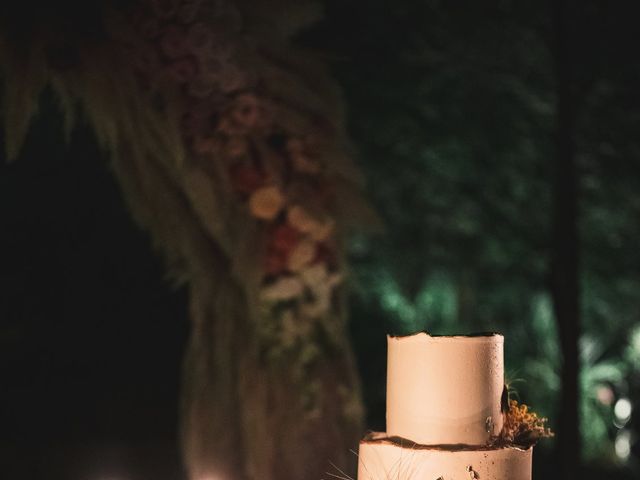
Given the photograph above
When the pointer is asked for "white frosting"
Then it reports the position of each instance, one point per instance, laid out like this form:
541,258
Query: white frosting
383,460
445,390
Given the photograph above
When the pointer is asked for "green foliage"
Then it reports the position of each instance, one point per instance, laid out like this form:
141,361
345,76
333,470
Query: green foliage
452,107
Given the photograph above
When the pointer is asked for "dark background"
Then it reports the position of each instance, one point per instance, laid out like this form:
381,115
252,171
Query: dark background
453,109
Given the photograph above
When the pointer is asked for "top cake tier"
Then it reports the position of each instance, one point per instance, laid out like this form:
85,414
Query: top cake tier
445,390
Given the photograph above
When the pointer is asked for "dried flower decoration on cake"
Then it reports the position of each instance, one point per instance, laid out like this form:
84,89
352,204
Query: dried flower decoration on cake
522,427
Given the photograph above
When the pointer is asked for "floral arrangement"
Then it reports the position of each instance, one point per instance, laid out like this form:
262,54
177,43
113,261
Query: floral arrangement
229,145
270,157
522,427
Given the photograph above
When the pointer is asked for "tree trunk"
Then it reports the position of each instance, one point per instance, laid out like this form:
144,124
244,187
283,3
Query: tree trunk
248,418
245,415
181,121
565,247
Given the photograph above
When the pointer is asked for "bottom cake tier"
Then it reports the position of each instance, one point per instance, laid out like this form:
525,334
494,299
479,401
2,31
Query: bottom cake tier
383,458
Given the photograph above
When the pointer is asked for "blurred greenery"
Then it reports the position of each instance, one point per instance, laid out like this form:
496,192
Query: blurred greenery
452,109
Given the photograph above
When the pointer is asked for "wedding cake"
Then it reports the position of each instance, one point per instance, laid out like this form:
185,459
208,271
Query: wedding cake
446,411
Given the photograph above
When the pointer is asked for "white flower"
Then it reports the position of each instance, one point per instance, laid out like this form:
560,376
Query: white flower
285,288
321,283
266,202
314,274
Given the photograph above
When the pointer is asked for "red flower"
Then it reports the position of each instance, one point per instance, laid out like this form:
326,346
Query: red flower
325,254
246,179
284,238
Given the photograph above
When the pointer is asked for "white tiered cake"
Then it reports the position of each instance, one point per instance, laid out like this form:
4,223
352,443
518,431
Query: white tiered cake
444,411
